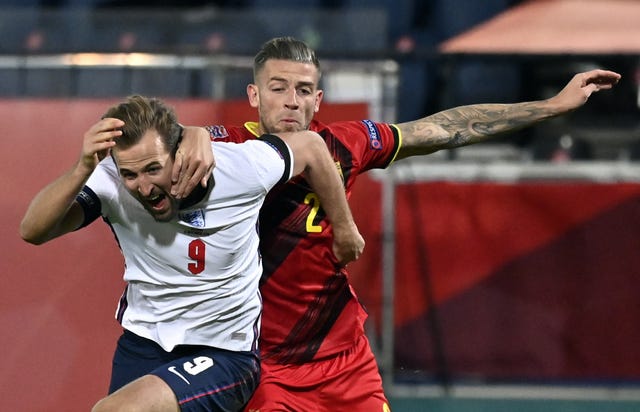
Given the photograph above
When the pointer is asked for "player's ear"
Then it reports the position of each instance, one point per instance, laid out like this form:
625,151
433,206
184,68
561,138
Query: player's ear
252,94
319,95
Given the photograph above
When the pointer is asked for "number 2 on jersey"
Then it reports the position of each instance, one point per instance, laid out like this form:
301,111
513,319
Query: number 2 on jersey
196,252
312,199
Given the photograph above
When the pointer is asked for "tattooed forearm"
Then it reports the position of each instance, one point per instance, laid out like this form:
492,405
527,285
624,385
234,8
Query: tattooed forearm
465,125
475,123
491,120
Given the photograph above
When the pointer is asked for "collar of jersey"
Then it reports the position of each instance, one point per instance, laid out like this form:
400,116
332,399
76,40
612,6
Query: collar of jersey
252,127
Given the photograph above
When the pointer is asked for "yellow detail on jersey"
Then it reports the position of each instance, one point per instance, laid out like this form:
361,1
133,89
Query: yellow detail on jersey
386,408
252,127
339,167
312,199
397,129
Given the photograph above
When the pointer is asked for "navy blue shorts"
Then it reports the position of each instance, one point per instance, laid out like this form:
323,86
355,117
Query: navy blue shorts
203,378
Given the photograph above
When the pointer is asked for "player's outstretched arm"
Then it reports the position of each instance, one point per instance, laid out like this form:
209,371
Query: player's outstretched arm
312,158
53,211
471,124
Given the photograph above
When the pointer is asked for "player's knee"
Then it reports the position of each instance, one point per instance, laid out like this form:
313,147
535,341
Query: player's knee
99,406
103,405
109,404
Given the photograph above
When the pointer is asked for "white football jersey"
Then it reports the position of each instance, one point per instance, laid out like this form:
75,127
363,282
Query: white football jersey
194,280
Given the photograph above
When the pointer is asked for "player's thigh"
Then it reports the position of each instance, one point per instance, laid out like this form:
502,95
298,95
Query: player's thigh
275,397
353,382
349,381
134,357
211,379
148,393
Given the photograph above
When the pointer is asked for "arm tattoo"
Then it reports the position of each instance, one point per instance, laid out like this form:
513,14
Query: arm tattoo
466,125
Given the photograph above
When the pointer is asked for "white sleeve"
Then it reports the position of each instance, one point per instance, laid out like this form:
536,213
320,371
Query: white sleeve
283,150
261,162
103,183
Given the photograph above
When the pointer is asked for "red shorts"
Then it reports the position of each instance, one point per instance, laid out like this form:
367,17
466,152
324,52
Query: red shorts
349,381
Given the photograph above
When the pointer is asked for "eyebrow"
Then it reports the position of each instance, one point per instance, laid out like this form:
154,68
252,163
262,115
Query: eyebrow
297,84
144,168
123,171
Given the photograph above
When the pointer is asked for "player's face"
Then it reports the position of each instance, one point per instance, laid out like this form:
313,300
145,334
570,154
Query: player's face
286,95
145,170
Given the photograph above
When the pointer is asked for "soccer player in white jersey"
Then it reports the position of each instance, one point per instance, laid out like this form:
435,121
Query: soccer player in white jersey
191,308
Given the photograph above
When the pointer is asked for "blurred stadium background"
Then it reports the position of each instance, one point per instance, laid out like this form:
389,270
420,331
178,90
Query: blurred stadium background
498,277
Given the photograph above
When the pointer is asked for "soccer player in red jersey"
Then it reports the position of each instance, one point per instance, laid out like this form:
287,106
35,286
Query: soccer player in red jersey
315,355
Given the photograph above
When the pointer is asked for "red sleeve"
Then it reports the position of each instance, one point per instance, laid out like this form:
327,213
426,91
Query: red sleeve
233,134
373,145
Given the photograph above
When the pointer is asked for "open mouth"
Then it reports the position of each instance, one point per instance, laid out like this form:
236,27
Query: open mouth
156,201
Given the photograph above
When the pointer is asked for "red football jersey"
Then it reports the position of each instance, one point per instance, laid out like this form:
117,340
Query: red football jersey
310,309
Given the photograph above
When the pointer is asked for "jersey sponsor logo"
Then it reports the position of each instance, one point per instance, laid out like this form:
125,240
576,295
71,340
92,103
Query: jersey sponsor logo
374,135
217,132
194,218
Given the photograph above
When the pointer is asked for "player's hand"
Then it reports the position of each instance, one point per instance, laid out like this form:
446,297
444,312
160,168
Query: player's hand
582,85
348,244
98,141
194,162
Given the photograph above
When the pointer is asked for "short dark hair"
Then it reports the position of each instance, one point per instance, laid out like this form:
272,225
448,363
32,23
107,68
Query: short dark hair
139,114
284,48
